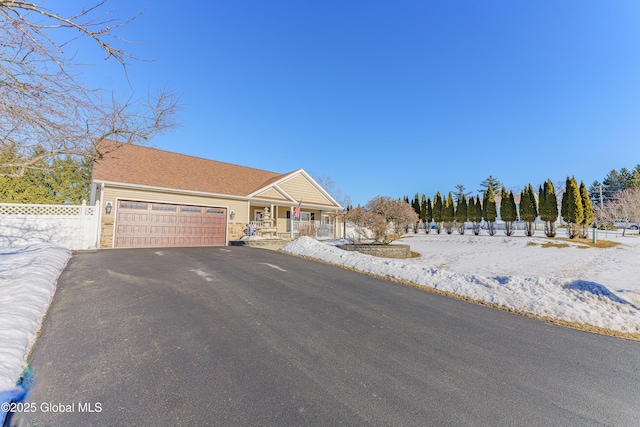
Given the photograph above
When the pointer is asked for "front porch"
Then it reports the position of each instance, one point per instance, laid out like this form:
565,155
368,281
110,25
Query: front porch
273,220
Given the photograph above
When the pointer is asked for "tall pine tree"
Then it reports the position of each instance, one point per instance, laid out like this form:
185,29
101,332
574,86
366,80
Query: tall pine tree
492,183
459,192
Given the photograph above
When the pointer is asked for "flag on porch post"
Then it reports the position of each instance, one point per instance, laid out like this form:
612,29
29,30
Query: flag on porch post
296,210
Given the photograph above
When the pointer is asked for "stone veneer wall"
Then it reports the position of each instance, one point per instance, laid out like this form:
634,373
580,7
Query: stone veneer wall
383,251
106,234
236,230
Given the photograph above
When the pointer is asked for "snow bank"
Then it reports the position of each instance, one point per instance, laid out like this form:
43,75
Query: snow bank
28,277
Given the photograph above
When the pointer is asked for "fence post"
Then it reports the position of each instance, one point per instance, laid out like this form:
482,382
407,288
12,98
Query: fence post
82,235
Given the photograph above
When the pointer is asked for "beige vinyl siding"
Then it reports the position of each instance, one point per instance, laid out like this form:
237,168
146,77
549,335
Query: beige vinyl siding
239,206
270,194
300,188
281,213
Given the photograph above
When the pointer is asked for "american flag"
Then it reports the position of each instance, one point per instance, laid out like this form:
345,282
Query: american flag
296,210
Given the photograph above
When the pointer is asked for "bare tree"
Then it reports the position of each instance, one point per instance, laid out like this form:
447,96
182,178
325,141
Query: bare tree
44,107
624,208
382,220
326,182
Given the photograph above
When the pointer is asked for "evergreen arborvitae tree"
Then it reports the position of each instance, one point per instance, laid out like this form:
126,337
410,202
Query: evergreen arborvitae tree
437,211
571,210
471,204
474,215
489,211
587,211
479,213
415,203
541,203
429,216
448,213
528,209
565,201
423,209
462,213
508,212
548,208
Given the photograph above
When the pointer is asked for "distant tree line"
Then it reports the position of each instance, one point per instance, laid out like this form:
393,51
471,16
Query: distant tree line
615,182
456,209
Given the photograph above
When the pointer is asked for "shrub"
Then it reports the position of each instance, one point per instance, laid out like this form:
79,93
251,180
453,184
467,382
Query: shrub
308,230
382,220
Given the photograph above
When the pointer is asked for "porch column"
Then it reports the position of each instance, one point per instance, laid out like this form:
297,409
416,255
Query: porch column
291,219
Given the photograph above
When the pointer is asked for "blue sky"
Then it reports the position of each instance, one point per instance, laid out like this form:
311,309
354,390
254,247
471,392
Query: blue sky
394,98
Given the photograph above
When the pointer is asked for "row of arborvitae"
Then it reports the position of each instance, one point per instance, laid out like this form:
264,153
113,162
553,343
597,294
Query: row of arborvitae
576,210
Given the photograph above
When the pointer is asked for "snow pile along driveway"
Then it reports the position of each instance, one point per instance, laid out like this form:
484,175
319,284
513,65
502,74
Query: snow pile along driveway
28,277
572,300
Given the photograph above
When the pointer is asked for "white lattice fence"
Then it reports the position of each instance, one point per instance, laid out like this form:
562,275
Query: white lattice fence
71,226
59,210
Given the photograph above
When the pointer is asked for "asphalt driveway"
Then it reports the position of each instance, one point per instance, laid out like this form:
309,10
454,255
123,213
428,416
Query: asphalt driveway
241,336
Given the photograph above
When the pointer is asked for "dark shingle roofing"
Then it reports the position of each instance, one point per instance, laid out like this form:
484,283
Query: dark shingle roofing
133,164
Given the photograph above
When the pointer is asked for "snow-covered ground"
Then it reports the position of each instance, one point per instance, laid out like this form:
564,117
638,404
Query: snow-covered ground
599,287
590,286
28,277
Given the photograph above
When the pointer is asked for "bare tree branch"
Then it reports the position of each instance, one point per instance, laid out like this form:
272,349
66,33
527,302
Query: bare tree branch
44,107
622,209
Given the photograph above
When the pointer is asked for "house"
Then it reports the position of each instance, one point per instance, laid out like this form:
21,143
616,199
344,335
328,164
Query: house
154,198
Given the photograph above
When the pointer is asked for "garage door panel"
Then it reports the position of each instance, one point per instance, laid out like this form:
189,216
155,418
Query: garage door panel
140,224
162,241
162,230
190,241
190,219
131,241
133,217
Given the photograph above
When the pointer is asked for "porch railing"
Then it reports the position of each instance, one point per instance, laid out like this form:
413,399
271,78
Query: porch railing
322,230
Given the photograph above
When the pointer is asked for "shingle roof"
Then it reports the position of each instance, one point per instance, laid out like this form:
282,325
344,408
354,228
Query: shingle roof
133,164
